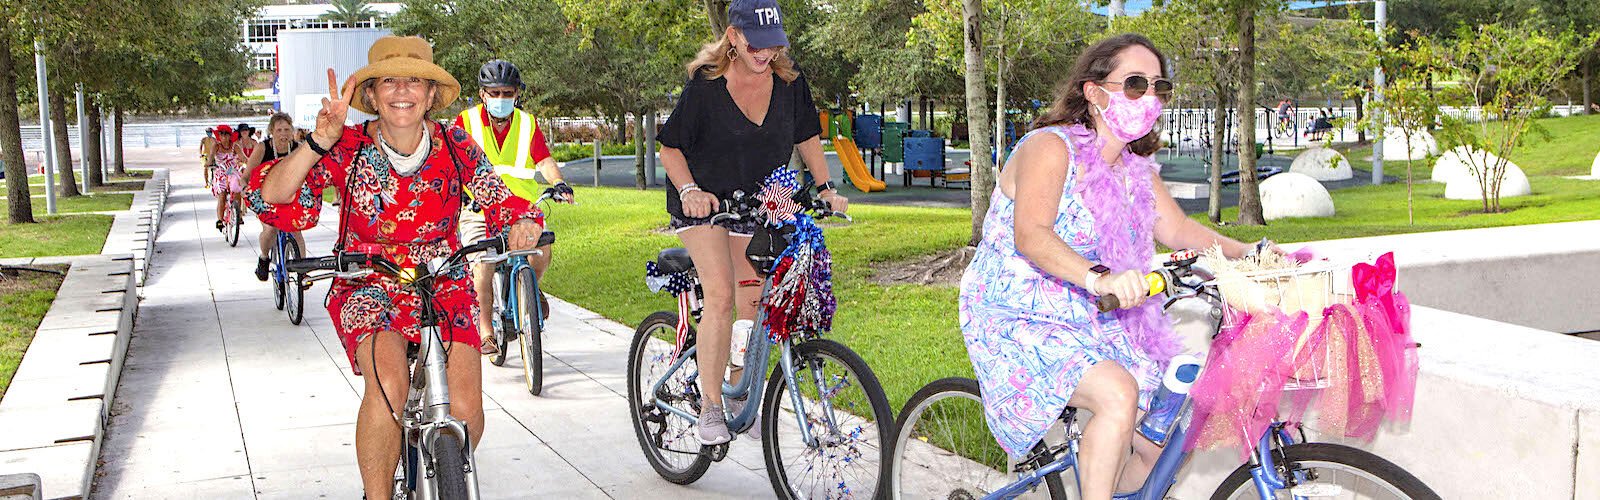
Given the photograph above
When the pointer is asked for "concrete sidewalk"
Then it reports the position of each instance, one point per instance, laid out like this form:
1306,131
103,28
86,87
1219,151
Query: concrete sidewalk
222,398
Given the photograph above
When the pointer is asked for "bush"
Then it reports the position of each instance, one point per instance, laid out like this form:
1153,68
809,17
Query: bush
570,152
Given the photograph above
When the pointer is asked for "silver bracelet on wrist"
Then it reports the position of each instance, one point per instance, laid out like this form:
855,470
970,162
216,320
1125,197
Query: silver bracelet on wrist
686,188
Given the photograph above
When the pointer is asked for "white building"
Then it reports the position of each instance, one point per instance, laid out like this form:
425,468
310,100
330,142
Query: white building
260,33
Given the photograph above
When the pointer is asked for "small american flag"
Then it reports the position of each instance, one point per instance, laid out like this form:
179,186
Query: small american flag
686,307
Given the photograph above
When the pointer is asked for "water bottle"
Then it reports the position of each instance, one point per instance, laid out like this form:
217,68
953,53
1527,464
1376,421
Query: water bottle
1169,398
741,341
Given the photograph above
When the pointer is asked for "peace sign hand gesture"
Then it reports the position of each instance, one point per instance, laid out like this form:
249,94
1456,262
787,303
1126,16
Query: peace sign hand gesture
330,120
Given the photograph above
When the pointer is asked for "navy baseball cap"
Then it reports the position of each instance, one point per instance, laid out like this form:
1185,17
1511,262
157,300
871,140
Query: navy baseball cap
760,21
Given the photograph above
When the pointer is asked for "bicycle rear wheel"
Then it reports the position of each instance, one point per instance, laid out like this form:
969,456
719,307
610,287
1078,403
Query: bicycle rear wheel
295,295
668,441
943,448
530,327
847,415
1331,471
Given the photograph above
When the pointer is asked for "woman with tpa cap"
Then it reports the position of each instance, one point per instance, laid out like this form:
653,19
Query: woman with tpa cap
744,110
401,179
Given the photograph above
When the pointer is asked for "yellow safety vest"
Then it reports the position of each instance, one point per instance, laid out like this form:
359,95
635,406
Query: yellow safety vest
512,162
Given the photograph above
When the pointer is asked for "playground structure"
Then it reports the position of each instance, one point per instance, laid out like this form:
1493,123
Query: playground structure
870,148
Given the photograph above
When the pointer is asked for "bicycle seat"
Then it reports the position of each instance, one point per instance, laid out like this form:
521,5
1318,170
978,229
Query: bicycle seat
674,260
546,239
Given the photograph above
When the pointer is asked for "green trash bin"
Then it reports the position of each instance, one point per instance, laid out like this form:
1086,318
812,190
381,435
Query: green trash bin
894,145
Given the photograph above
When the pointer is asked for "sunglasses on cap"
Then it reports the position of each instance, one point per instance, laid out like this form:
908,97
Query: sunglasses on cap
1135,86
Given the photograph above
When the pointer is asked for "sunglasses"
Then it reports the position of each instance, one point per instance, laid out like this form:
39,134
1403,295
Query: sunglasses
1136,86
500,94
755,50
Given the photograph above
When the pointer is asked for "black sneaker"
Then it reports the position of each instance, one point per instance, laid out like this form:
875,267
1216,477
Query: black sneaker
219,224
261,269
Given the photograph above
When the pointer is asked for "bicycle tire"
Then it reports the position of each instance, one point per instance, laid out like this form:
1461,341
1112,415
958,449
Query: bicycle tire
878,404
531,328
907,429
235,218
1378,468
507,329
686,473
450,468
279,289
294,295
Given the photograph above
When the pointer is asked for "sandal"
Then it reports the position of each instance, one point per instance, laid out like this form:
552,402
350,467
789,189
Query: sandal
487,347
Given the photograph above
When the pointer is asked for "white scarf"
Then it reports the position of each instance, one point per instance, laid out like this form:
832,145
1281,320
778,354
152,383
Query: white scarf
406,164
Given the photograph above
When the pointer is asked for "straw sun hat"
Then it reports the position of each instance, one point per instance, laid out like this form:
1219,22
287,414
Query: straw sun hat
403,56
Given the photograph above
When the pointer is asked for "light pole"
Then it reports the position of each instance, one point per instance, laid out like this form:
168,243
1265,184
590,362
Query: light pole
44,130
1381,18
83,143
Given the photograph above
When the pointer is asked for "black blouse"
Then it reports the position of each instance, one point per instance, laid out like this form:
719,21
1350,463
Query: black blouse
724,149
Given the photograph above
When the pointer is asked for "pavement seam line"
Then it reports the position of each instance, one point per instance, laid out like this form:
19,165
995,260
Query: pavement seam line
232,390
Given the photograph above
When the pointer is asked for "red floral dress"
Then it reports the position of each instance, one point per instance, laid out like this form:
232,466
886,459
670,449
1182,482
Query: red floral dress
413,219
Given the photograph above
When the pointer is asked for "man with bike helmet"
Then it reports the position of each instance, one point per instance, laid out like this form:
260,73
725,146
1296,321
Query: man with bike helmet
511,140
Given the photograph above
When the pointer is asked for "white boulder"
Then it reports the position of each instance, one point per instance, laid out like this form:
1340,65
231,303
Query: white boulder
1323,164
1594,171
1464,184
1291,194
1458,162
1395,146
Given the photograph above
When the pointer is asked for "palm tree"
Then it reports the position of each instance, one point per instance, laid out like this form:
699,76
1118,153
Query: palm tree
349,12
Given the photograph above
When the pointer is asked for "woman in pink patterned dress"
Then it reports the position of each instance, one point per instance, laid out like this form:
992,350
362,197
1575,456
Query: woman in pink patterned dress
228,172
1075,215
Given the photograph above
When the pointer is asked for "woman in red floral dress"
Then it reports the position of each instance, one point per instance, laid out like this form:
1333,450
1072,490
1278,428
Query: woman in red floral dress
401,180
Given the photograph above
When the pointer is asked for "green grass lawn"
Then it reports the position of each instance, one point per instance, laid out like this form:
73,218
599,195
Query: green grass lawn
55,235
908,334
1570,150
99,201
24,299
1379,210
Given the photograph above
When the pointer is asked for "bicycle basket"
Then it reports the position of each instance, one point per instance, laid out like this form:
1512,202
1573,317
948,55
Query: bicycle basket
1310,288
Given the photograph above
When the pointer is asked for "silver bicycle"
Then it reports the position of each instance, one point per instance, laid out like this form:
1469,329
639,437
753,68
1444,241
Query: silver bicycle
436,459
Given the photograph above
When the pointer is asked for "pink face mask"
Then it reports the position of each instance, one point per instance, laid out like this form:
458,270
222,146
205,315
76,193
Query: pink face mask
1130,119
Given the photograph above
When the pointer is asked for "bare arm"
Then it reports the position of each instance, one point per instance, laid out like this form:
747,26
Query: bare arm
551,172
811,155
677,167
1176,230
1041,169
282,184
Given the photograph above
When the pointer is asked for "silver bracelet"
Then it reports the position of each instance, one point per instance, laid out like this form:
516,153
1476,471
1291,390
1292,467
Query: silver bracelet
687,188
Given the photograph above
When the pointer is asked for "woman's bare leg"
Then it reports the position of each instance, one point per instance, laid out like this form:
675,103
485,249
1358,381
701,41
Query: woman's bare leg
1110,392
708,247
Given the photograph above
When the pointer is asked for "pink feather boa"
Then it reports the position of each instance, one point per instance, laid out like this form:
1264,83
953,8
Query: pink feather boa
1124,218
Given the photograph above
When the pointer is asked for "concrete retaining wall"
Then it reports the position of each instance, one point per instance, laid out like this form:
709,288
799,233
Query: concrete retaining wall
133,233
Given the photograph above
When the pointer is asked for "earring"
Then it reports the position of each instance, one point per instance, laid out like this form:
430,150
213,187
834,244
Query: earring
733,53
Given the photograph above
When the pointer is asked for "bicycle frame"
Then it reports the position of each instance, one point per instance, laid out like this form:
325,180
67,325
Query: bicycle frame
508,271
749,386
427,411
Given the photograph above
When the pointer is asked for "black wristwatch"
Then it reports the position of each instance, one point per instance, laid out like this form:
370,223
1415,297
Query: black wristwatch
826,186
311,142
1100,269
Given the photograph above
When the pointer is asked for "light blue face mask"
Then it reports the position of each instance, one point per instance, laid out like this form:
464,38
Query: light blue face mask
500,107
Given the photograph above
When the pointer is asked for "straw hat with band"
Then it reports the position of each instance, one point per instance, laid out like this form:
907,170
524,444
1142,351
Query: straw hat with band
403,56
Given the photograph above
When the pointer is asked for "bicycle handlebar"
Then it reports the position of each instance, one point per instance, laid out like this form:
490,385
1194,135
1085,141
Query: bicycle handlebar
741,206
353,263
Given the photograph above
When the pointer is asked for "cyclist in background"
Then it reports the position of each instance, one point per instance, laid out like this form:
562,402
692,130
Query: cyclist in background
280,142
227,170
511,140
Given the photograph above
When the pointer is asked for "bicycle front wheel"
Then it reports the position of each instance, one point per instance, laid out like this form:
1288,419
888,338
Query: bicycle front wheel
845,413
235,218
1325,470
529,328
943,448
279,281
668,440
294,294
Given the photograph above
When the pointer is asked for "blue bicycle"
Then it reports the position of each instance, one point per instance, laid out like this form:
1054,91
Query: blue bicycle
944,449
519,308
825,421
289,294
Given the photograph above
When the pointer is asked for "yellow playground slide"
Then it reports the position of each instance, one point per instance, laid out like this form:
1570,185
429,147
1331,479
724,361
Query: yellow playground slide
856,169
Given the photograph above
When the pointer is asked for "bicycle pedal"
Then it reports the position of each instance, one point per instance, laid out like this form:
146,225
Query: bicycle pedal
719,452
1316,490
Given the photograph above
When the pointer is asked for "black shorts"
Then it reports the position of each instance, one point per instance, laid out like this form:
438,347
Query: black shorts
742,227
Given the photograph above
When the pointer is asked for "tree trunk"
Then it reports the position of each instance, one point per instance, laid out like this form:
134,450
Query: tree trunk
1361,113
717,12
638,152
1000,110
58,123
117,167
1249,189
93,155
1219,123
1588,74
20,203
977,121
